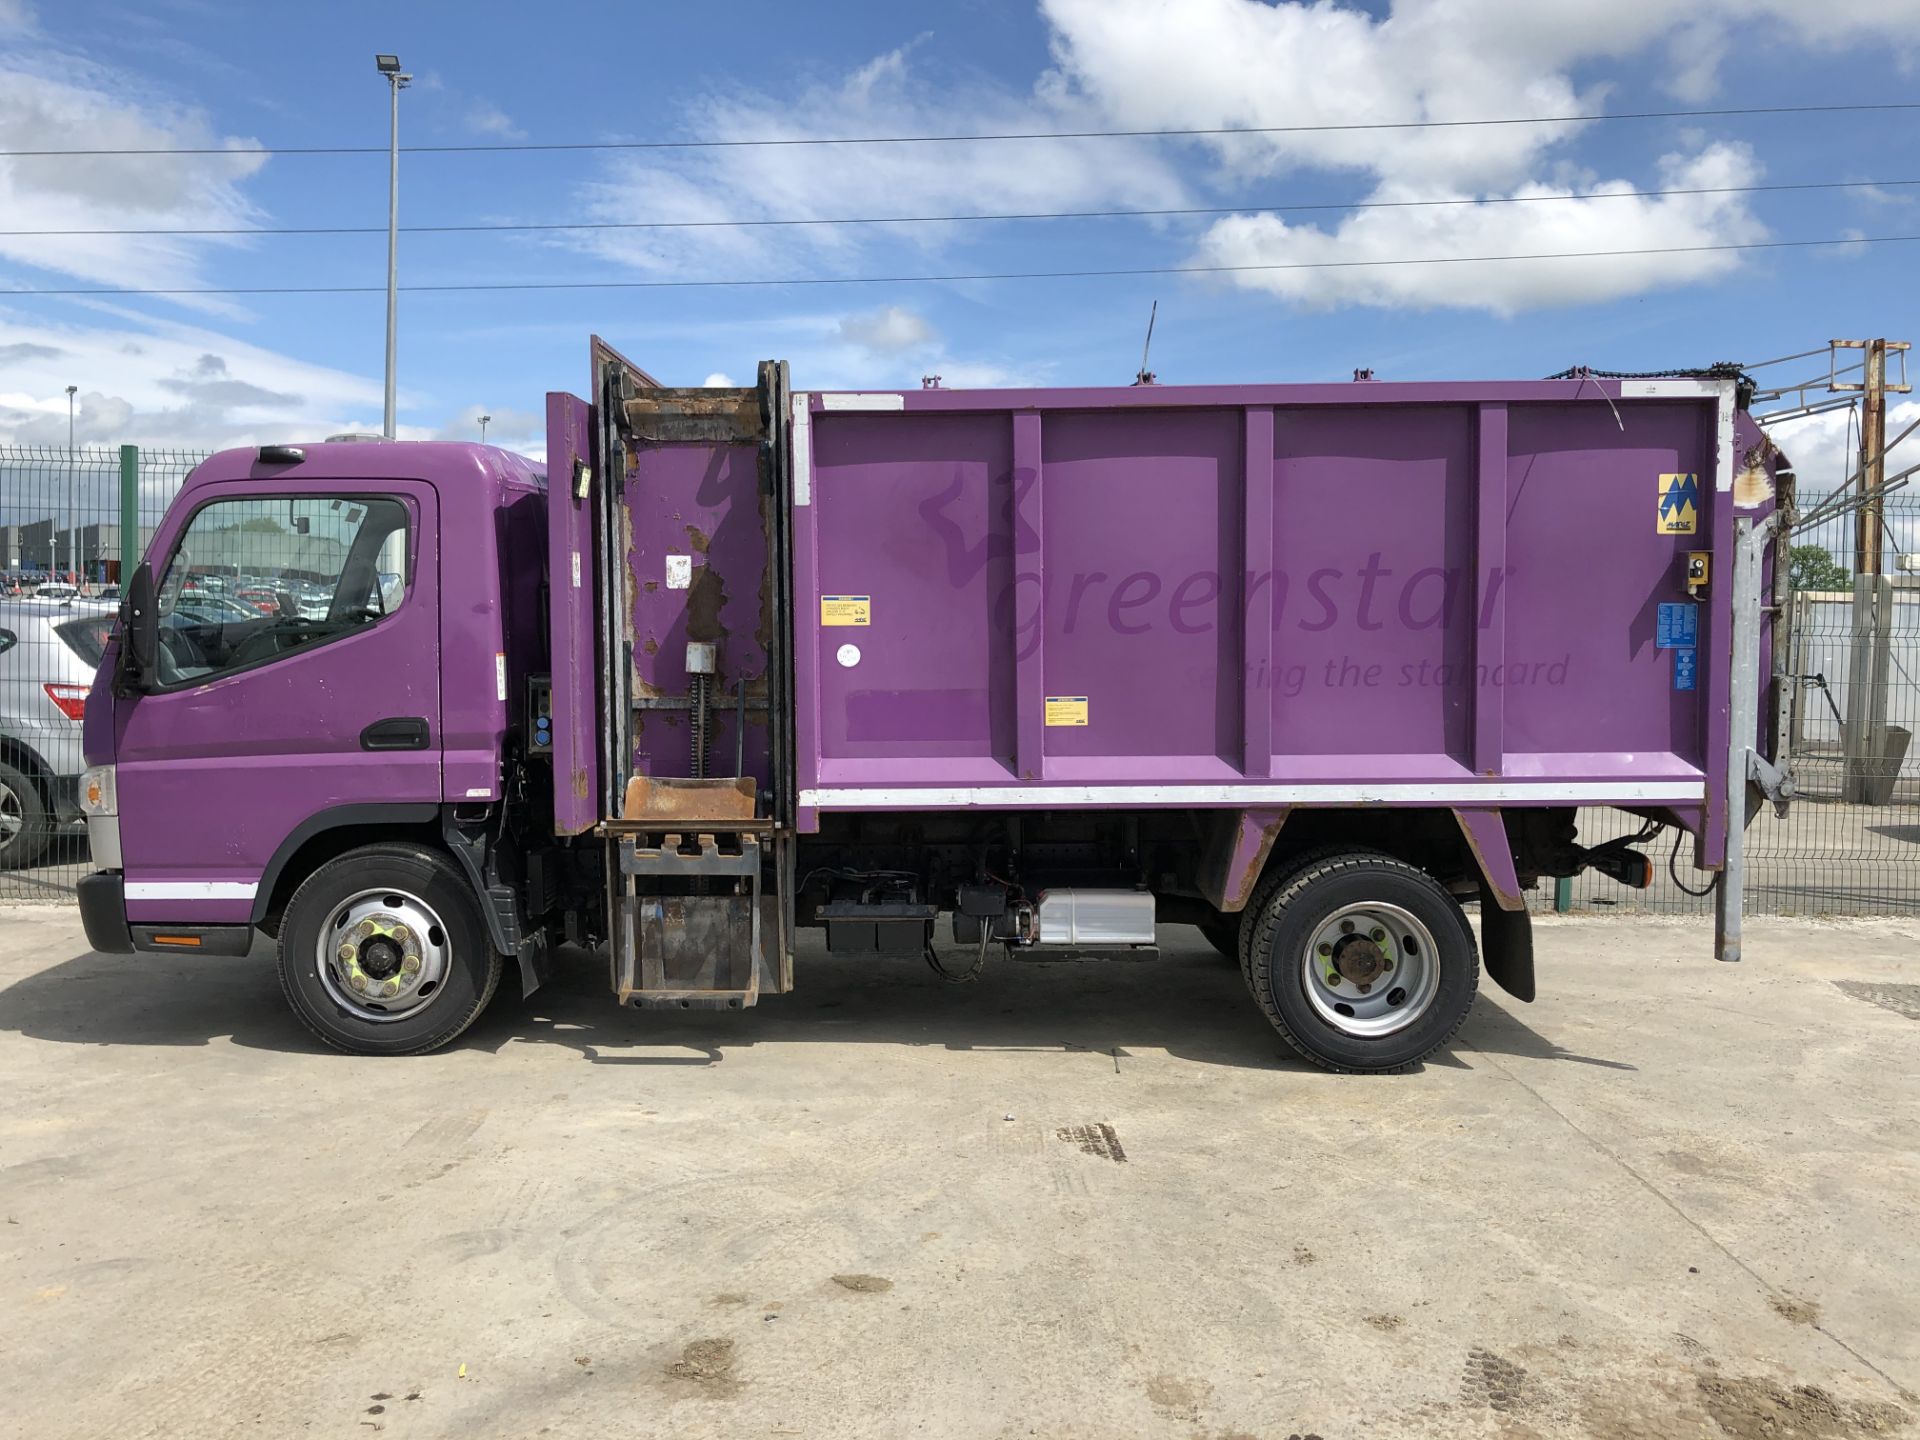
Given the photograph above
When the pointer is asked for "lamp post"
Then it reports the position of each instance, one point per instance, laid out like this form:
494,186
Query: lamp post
73,528
389,66
483,428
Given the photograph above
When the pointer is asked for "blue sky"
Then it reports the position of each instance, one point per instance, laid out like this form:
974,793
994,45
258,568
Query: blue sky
214,371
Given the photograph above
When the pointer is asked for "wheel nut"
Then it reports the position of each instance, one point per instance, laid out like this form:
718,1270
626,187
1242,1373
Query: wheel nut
1324,948
1386,964
357,980
1333,978
392,987
410,965
347,953
1364,987
400,934
1377,934
1346,927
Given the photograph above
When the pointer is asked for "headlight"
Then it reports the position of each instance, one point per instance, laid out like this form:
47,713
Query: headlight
97,793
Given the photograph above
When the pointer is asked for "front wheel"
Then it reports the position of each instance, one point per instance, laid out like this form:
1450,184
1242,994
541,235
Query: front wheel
383,951
1363,963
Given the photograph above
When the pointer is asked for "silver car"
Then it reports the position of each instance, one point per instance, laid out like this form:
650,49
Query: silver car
48,653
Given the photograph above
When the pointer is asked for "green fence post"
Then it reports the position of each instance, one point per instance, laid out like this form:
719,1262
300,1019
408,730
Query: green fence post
129,511
1562,895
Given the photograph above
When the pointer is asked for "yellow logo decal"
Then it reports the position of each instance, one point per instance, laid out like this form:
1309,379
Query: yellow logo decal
1679,512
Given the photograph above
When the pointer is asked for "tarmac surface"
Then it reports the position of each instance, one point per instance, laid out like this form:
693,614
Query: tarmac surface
1090,1199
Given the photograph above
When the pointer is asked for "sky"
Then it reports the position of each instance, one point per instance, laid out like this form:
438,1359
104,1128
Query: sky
208,371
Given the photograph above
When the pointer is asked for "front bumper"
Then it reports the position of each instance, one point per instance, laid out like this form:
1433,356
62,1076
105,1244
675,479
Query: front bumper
103,911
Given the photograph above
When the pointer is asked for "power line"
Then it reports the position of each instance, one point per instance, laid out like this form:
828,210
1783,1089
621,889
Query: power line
561,225
768,281
523,146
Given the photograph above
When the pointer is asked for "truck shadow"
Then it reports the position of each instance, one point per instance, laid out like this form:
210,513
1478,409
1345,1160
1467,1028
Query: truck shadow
1187,1002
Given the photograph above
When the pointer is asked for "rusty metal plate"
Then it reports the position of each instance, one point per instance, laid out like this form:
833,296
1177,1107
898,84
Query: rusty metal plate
711,801
694,416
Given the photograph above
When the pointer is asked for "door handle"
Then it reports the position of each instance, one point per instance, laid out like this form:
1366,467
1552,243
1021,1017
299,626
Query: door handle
401,732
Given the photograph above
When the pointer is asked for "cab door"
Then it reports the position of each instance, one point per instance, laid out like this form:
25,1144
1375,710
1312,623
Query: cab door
298,686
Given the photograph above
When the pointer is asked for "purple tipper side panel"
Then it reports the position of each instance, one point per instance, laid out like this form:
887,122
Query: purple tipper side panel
570,606
1586,573
1422,594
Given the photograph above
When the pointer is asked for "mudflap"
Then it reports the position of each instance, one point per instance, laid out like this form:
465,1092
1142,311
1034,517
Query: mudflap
1506,946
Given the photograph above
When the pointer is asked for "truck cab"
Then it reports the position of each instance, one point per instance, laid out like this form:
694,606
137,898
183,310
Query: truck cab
341,637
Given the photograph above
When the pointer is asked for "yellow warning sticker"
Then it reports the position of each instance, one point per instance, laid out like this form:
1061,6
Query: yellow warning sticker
846,609
1679,512
1066,709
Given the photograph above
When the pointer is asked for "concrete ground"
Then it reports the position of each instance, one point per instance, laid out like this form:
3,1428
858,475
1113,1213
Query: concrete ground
1094,1199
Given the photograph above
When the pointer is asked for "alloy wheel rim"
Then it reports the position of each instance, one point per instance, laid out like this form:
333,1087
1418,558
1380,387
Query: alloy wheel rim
383,955
1370,969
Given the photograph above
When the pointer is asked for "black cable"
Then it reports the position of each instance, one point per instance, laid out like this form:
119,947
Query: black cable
499,147
1673,869
956,278
487,227
972,972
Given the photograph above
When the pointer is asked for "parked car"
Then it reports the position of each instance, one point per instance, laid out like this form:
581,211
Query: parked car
56,590
47,658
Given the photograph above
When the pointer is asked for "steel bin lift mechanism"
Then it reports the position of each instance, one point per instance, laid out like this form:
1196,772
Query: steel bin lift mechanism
946,674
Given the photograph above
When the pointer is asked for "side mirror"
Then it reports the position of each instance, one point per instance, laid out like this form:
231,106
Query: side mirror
139,630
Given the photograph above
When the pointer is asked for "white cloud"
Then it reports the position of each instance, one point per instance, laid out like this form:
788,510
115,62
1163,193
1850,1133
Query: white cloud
891,330
1238,63
156,383
887,96
486,118
1320,67
1825,449
1547,228
718,380
50,99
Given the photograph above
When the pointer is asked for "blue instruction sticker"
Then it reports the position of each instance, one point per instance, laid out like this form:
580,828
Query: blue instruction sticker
1685,667
1679,625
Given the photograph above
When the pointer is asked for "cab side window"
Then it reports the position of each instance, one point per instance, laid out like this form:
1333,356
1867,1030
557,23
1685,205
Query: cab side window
252,580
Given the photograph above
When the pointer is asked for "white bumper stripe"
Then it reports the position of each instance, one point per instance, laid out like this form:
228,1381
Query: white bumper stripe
191,889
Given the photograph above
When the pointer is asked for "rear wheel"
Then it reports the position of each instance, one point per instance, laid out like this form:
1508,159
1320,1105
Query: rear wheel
1224,935
383,951
25,826
1362,962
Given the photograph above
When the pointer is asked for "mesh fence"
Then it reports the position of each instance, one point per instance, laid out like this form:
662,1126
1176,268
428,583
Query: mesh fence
70,520
1850,845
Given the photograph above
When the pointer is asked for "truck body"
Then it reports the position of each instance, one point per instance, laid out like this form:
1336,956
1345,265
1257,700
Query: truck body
947,674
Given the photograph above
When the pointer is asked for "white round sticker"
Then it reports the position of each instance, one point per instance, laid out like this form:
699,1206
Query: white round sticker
848,655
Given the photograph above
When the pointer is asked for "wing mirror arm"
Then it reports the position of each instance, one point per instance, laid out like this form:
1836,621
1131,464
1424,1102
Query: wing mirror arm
139,633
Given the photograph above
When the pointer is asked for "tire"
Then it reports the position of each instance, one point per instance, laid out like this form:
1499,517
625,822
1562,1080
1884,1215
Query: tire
1224,935
26,827
1375,928
1279,874
392,906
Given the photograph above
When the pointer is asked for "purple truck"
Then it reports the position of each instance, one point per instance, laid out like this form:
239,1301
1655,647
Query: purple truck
948,675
